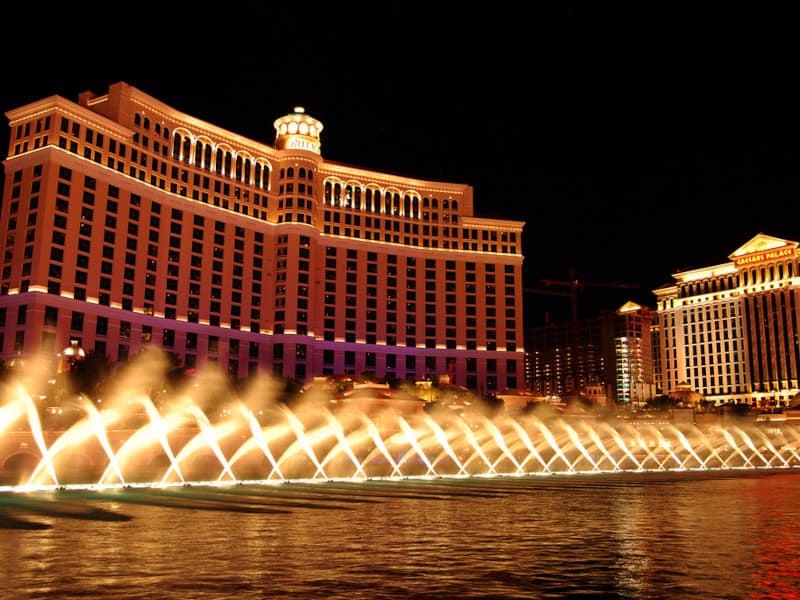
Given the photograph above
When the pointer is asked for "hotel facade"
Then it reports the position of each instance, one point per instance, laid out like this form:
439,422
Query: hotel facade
128,224
731,331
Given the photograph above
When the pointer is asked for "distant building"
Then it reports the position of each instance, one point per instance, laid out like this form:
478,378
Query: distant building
606,359
127,223
730,331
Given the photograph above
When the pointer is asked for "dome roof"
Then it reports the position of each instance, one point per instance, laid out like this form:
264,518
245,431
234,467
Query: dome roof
298,131
686,394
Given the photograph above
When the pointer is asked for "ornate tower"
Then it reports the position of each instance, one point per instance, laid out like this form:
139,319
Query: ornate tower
298,131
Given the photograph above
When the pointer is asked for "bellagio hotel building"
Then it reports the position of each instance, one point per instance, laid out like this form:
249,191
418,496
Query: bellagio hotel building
732,331
127,223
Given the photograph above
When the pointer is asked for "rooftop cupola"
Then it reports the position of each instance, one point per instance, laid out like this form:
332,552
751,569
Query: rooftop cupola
298,131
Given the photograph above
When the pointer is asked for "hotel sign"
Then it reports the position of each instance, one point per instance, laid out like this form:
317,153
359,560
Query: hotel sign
766,255
299,143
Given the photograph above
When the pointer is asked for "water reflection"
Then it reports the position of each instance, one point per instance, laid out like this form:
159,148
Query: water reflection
645,535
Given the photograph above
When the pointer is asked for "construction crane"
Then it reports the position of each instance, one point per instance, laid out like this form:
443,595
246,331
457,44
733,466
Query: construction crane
570,288
574,285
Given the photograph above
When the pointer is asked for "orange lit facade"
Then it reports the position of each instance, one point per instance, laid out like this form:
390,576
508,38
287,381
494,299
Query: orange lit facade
731,331
128,224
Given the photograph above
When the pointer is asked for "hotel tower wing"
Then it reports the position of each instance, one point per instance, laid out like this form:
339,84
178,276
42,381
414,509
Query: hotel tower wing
129,224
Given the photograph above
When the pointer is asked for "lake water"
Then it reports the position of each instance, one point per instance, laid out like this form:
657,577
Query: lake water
711,534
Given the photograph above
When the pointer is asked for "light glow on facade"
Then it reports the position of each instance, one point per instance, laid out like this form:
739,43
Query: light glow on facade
729,332
152,227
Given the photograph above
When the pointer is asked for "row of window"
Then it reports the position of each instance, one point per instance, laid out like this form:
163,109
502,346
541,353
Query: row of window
504,246
235,348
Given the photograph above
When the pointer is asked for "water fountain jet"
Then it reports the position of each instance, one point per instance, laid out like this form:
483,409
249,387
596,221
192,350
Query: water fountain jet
199,437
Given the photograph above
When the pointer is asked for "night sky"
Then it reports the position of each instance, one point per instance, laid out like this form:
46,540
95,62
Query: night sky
634,140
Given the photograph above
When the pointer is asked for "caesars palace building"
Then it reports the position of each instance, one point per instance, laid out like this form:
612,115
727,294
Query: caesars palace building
731,331
127,223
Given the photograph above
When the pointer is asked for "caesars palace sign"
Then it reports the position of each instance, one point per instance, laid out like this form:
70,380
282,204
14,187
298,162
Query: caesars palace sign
766,255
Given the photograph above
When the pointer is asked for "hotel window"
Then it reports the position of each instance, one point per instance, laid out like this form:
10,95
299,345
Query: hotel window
101,327
76,323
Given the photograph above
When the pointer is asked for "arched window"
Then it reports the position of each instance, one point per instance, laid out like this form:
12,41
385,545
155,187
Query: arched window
187,150
198,153
301,173
228,163
176,146
220,161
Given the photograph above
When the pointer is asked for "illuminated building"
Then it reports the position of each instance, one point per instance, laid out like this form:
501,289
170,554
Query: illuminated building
611,352
730,331
128,223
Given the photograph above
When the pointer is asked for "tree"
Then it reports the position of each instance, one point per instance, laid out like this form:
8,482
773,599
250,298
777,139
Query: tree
662,402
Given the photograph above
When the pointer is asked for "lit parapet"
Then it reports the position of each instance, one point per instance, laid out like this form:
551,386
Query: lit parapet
629,306
298,131
728,269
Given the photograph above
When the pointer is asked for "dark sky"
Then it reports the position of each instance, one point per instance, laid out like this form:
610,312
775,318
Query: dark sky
634,139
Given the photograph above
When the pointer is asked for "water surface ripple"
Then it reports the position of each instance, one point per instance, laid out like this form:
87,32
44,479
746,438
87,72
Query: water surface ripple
709,535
